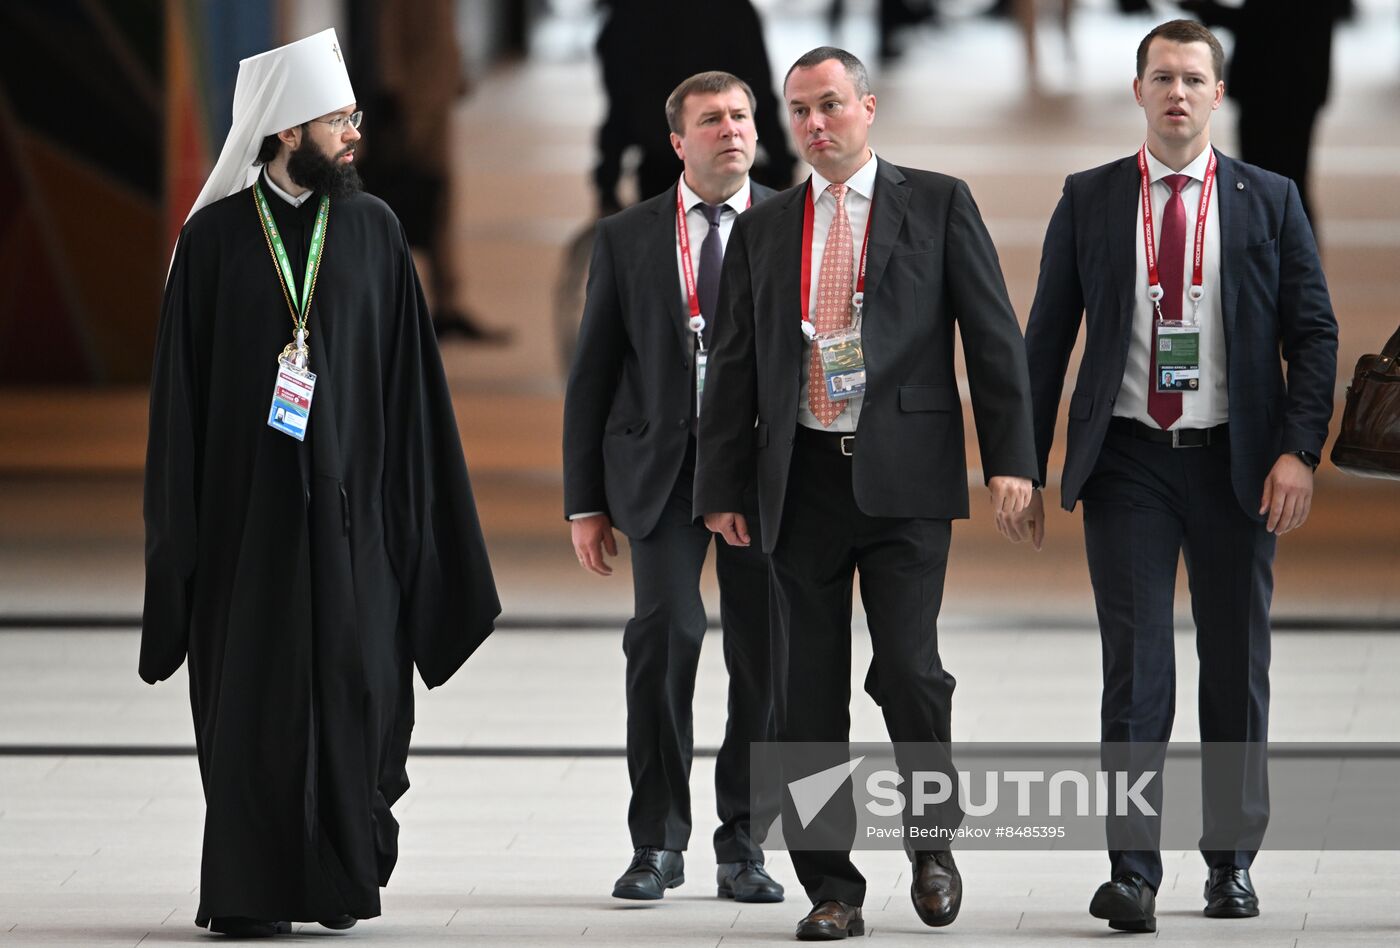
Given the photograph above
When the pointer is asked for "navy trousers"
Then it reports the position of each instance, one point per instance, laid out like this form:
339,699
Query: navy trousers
1145,505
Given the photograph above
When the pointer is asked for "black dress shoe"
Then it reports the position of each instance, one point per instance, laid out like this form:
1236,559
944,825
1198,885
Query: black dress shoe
831,920
238,927
1128,903
747,882
937,888
1230,894
651,873
338,923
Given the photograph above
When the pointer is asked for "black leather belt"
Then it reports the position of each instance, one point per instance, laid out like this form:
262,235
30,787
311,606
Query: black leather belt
834,441
1176,438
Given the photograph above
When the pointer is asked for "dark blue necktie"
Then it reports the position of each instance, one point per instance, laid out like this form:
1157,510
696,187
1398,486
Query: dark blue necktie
711,259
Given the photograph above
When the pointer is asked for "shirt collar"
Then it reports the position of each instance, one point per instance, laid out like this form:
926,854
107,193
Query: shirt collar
862,182
1196,170
738,201
293,201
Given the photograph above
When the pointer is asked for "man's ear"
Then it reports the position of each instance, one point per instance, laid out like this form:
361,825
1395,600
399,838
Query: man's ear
291,137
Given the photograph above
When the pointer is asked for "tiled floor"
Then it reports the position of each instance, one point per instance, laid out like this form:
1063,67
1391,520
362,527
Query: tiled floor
503,849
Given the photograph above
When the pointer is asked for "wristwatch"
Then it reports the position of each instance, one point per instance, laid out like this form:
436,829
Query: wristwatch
1308,458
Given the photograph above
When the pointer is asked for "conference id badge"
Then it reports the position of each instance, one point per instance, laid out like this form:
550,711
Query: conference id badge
843,363
291,400
1177,363
700,359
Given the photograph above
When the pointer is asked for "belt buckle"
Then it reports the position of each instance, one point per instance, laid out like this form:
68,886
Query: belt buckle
846,442
1176,437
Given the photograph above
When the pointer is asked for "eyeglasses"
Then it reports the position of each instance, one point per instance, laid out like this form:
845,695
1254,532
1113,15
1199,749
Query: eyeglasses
338,123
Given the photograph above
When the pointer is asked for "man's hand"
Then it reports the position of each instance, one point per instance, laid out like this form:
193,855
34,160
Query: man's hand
1288,494
592,536
1010,495
732,526
1029,524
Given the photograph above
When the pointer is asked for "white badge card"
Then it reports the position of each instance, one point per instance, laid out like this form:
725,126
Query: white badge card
1177,361
701,358
291,401
843,363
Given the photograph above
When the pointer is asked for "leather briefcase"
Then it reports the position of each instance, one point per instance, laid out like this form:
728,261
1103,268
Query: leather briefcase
1369,442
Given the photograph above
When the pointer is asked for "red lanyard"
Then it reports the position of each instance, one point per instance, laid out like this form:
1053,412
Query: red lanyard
1154,282
808,219
688,268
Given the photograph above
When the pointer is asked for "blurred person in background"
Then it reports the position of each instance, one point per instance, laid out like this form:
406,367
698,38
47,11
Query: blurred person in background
1279,75
645,49
415,78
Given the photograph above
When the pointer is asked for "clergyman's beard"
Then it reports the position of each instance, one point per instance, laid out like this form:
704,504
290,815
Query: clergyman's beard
309,167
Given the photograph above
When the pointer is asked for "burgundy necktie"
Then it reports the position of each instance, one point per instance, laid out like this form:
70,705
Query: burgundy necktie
1165,407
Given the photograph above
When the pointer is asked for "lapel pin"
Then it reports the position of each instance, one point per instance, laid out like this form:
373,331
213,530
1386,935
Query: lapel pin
1239,185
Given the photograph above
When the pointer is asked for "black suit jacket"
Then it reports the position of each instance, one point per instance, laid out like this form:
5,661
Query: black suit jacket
931,266
1273,298
631,393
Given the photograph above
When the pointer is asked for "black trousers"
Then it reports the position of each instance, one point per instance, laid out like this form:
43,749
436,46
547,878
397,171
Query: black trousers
825,539
662,644
1278,138
1144,506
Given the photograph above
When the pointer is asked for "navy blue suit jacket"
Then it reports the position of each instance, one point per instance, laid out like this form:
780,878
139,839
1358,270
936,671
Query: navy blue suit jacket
1273,296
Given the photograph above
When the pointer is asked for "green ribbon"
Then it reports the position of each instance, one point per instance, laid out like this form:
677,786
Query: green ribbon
300,303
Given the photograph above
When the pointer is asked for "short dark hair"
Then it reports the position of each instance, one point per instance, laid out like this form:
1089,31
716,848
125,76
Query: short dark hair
1183,31
267,151
855,69
702,83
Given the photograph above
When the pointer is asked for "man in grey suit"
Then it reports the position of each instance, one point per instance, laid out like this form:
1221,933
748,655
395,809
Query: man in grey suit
1191,273
629,458
835,371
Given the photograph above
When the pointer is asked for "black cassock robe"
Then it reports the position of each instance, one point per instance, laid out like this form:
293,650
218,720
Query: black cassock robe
304,580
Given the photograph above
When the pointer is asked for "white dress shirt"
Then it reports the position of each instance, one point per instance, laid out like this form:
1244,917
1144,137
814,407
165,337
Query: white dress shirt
698,227
860,190
1207,406
293,201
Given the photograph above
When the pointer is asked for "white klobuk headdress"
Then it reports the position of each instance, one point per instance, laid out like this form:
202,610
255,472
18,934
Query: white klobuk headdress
277,89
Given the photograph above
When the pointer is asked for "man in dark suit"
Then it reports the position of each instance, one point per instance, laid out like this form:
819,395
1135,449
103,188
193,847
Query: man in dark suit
874,480
629,460
1218,469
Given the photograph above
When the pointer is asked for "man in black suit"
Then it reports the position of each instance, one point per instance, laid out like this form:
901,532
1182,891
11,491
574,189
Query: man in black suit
629,460
1218,469
873,480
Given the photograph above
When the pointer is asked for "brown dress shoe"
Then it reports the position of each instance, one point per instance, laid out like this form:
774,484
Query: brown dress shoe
831,920
937,888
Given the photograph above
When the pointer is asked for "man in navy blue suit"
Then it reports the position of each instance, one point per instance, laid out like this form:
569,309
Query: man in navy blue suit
1193,272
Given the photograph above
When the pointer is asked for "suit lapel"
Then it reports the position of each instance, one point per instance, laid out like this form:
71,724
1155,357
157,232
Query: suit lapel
668,274
786,266
1234,208
1123,199
890,201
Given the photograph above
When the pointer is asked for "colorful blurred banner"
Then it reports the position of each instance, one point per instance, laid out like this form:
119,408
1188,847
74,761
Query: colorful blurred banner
94,181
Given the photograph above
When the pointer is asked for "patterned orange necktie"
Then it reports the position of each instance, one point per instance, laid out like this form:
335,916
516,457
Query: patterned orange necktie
833,304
